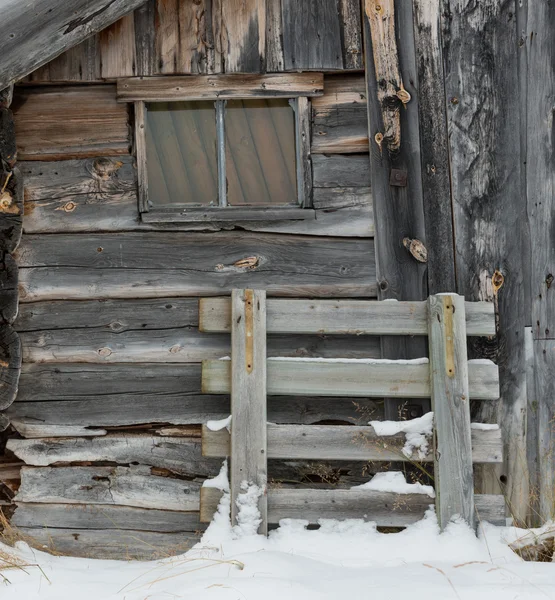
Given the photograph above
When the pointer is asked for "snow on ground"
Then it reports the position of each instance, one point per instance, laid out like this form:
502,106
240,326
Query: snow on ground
394,481
343,559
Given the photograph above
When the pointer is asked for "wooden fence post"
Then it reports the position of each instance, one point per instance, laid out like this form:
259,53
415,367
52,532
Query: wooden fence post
248,398
451,405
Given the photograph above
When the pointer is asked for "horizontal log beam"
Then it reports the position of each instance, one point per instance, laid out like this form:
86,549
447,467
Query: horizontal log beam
373,380
387,509
337,442
223,87
345,317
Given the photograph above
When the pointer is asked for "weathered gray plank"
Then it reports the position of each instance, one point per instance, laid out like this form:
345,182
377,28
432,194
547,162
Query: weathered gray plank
10,364
231,213
145,49
223,87
481,62
36,515
340,171
391,80
311,35
107,485
177,454
374,379
110,544
434,146
449,374
39,32
100,195
340,442
544,362
248,400
146,265
341,197
530,487
353,317
387,509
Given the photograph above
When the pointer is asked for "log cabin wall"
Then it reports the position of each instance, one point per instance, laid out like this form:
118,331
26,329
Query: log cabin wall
107,416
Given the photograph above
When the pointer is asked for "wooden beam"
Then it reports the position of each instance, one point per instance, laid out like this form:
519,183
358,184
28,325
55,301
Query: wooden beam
434,146
354,317
449,376
340,378
248,401
222,87
122,486
489,214
146,265
229,213
36,33
387,509
340,442
395,164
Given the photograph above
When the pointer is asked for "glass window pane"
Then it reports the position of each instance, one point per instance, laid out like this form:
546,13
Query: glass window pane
181,153
260,152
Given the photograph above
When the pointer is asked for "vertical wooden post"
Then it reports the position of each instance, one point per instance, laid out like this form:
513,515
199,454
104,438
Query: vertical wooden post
248,398
451,406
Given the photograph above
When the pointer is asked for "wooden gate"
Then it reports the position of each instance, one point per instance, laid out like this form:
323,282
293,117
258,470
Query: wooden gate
448,378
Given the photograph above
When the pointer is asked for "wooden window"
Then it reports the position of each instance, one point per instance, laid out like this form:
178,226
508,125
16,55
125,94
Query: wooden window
243,154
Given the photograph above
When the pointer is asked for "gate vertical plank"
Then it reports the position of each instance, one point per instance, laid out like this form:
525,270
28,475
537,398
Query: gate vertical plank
248,398
394,151
451,405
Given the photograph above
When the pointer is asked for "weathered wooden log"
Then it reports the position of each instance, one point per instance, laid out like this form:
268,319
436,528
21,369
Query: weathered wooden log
337,378
8,149
355,317
10,364
176,454
146,265
387,509
9,296
122,486
11,211
333,442
36,515
37,33
110,544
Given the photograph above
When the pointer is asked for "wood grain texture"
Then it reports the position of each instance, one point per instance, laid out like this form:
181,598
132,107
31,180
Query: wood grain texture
116,45
340,171
387,509
434,145
339,442
373,380
353,317
100,194
110,544
389,56
544,361
340,123
106,517
449,374
125,486
489,215
249,454
10,364
206,87
56,123
176,454
145,265
244,36
38,33
540,153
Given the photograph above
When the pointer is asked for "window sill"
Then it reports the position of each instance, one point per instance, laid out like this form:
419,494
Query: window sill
232,213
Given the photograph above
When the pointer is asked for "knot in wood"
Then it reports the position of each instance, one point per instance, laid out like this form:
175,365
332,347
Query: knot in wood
70,206
246,263
5,200
104,351
175,349
497,281
404,96
417,249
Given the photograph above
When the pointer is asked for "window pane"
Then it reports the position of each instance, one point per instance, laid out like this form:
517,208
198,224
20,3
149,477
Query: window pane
260,152
181,153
